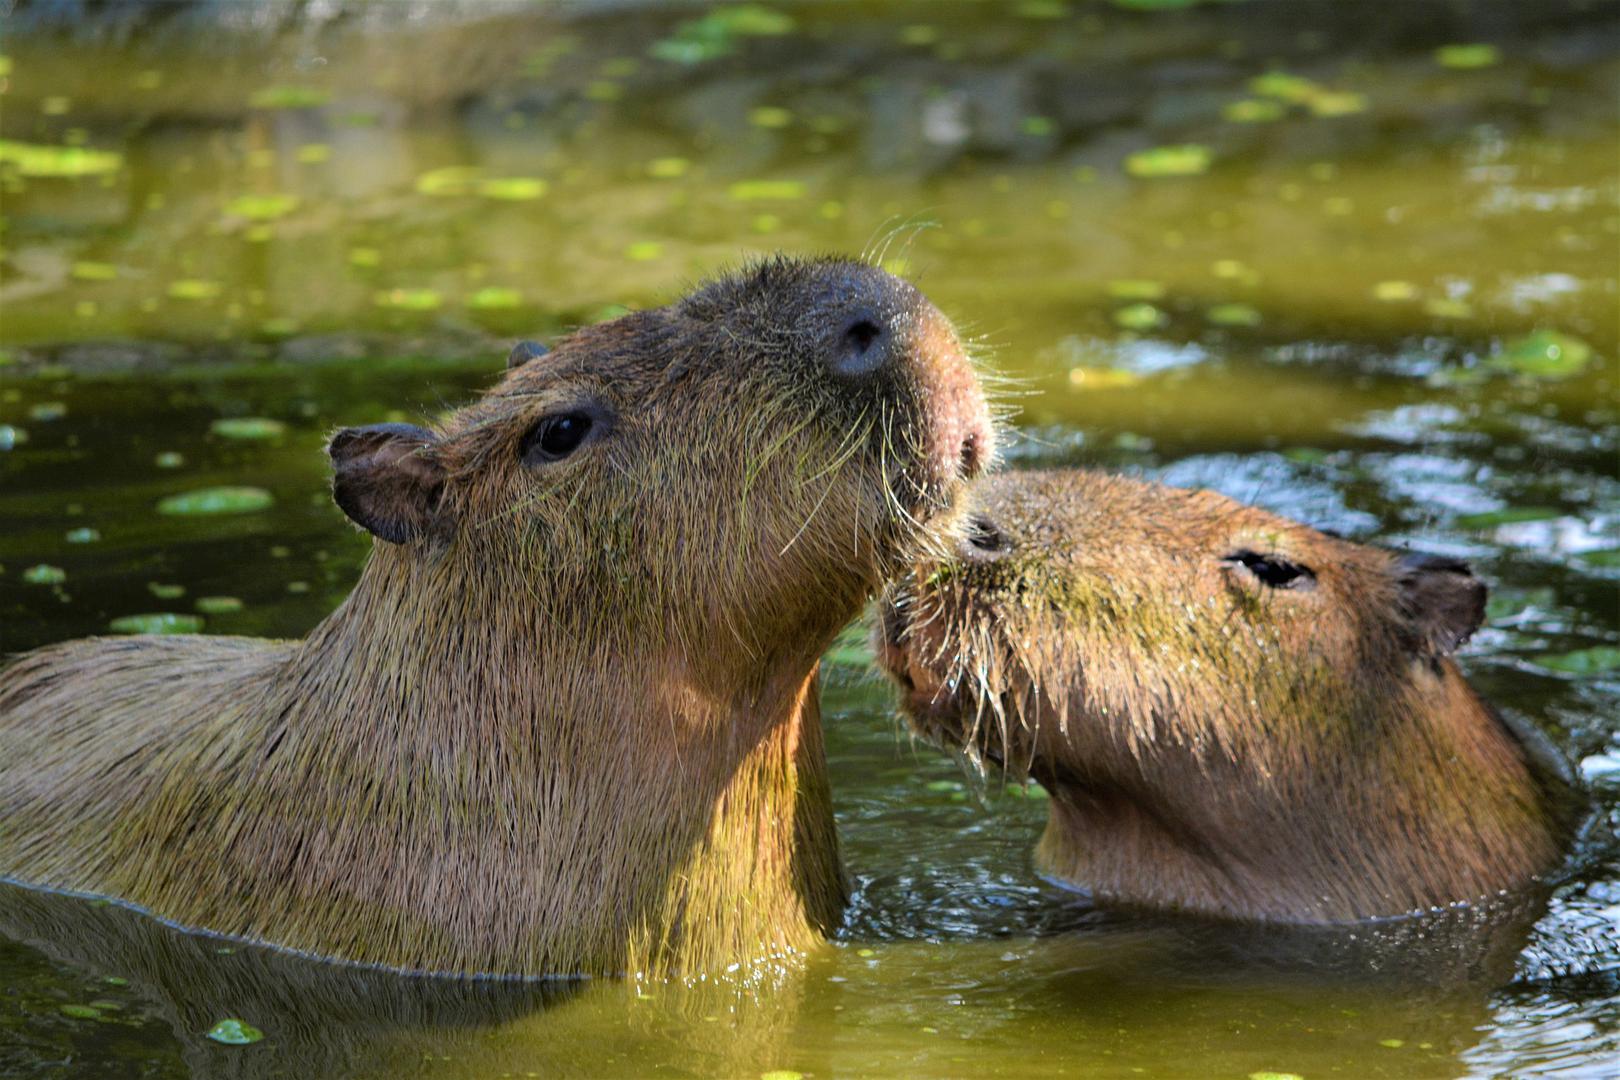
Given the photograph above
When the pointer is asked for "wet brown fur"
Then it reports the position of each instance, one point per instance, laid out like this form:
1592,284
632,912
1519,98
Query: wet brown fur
571,725
1211,744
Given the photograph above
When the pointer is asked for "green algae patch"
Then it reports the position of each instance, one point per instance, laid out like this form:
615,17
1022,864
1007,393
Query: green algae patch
409,299
1597,660
217,500
1545,354
40,161
758,190
289,97
495,298
157,622
1139,317
262,207
512,188
234,1032
218,605
1467,57
44,574
1510,515
248,428
1233,315
195,289
1190,159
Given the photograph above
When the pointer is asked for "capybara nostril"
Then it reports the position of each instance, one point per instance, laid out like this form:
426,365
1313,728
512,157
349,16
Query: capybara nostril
982,541
863,348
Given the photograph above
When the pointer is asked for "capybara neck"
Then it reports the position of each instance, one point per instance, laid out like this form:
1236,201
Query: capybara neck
1234,714
566,721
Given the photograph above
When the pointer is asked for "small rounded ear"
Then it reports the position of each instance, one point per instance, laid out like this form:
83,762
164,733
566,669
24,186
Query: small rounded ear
523,352
1443,599
387,479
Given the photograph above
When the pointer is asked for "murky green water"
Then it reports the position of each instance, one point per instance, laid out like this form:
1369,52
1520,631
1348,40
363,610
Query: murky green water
1382,299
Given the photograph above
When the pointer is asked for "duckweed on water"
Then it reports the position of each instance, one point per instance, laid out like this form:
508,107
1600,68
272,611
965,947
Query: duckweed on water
1467,57
84,535
410,299
80,1012
755,190
495,298
94,271
716,33
217,500
449,181
1233,315
262,207
169,459
165,591
512,188
194,289
157,622
668,168
47,411
644,251
218,605
1135,289
234,1032
44,574
1162,161
248,428
1252,111
289,97
1139,317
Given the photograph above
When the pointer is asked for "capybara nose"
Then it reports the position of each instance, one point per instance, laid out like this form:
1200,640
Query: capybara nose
982,541
865,345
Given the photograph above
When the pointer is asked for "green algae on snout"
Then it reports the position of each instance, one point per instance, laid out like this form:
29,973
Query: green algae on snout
217,500
248,428
1189,159
156,622
234,1032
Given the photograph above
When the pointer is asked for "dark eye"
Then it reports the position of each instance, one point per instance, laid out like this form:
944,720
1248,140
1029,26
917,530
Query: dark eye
555,437
1273,571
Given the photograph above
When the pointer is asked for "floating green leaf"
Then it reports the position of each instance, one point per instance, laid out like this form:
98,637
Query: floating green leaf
80,1012
714,35
1252,111
1188,160
165,591
1545,354
1294,89
217,500
1467,57
218,605
42,162
248,428
755,190
233,1032
44,574
1506,516
289,97
1331,103
450,180
262,207
1597,660
157,622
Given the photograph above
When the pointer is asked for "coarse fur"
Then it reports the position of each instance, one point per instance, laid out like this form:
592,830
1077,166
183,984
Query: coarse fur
566,721
1234,714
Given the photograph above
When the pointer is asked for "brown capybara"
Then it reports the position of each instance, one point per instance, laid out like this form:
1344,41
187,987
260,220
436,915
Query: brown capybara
566,722
1234,714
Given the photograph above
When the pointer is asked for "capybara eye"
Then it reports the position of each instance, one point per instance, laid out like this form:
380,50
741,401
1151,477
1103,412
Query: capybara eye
555,437
1273,571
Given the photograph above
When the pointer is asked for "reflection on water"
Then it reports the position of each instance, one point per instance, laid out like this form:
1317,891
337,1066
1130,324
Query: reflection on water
1380,296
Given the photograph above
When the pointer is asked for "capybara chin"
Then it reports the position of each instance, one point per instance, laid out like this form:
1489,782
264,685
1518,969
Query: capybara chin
566,722
1234,714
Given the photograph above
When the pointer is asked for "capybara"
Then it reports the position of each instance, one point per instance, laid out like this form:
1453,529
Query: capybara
1234,714
566,722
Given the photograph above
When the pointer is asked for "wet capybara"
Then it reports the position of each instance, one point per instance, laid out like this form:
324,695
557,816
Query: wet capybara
566,722
1234,714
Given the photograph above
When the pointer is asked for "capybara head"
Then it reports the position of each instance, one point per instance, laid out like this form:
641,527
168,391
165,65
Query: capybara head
1173,665
749,461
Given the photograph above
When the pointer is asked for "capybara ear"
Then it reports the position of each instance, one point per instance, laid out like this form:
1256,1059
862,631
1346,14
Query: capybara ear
1443,599
387,479
523,352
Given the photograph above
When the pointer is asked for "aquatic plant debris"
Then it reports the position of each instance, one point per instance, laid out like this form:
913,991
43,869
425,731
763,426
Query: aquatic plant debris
233,1032
157,622
40,161
217,500
80,1012
1164,161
